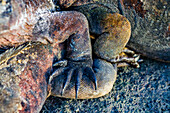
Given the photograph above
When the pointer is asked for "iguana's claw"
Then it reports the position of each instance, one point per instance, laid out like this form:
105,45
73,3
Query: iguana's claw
125,58
91,75
61,63
67,80
79,74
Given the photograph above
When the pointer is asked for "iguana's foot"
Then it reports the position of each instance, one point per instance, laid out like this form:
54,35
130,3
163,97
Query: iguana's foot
85,79
74,70
127,58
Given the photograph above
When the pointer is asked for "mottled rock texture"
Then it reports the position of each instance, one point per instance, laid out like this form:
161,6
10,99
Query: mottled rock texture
150,27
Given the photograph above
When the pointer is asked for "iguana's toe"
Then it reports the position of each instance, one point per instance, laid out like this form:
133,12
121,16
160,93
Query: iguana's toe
90,73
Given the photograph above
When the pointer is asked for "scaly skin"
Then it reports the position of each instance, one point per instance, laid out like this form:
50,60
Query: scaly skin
63,36
28,87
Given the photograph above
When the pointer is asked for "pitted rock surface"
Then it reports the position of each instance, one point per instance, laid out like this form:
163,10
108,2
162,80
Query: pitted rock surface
143,89
150,27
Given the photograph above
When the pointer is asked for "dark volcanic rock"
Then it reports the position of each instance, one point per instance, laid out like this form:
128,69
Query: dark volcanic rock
150,27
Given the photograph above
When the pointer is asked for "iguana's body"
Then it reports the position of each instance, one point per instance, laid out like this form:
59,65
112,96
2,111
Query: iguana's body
63,36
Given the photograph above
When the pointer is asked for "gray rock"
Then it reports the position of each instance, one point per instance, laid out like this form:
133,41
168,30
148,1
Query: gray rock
150,28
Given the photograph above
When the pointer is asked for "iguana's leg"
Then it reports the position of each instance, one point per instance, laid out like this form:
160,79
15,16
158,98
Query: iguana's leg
75,76
71,27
